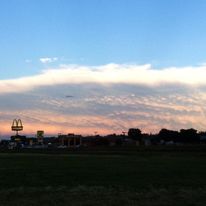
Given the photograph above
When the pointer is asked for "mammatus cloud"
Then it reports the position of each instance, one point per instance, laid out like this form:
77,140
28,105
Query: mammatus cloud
107,74
46,60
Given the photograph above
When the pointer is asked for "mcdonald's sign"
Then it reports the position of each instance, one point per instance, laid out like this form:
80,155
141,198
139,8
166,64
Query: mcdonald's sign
17,125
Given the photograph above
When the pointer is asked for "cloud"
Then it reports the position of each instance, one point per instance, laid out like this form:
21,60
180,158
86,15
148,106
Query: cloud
108,74
104,109
46,60
109,98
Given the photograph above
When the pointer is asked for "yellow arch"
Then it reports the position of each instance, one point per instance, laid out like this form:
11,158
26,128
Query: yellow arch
17,125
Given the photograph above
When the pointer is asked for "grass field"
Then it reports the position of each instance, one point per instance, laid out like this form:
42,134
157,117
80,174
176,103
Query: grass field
141,178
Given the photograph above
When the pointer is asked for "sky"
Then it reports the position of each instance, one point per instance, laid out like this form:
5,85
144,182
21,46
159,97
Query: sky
102,66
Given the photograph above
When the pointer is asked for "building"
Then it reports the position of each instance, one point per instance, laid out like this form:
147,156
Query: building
70,140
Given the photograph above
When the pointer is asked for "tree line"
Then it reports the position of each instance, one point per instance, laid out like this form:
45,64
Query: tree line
165,135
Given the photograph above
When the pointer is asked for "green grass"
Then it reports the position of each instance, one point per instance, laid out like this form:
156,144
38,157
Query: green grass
142,178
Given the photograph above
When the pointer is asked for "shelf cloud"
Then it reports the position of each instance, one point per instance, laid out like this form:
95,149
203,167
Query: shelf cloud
108,74
108,98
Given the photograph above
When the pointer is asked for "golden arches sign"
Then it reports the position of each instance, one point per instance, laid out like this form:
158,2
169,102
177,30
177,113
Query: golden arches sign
17,125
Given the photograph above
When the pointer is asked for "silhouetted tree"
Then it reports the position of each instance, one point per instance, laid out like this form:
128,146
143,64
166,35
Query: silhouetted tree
135,134
169,135
189,136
